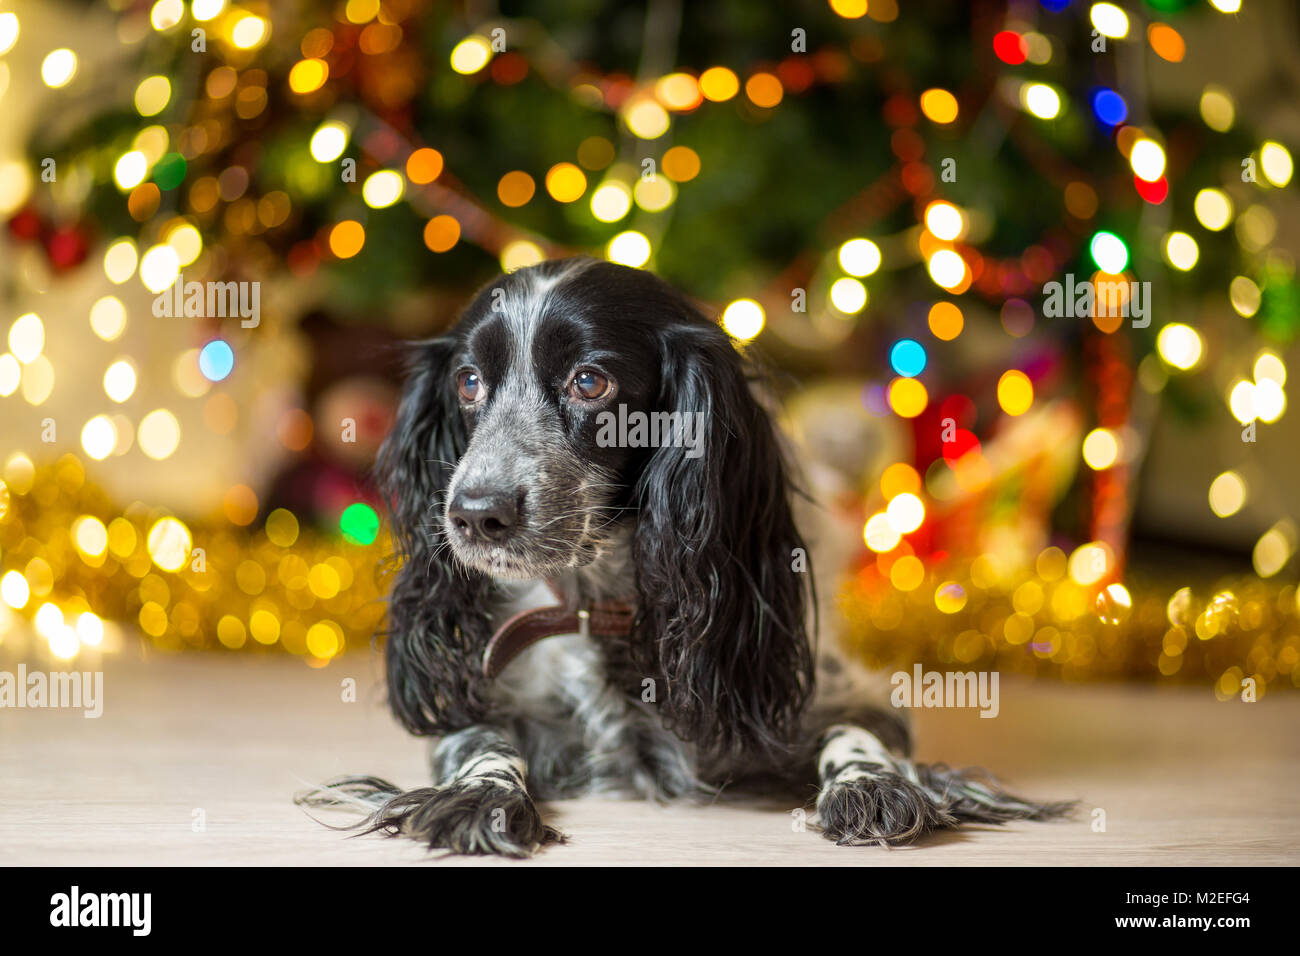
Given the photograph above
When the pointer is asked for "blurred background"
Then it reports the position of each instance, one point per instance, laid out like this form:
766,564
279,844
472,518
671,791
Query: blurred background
873,195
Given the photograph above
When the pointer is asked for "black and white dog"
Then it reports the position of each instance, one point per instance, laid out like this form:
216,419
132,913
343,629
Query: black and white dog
666,575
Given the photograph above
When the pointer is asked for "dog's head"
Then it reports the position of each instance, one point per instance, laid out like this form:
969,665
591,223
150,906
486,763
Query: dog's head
573,399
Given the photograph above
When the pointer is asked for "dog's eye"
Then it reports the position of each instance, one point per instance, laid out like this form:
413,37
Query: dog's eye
589,385
469,386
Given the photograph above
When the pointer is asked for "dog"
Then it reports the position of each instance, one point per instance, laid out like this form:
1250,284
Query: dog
576,615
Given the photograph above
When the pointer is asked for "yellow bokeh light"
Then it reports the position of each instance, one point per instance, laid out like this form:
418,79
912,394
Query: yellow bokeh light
947,268
89,629
906,513
1015,392
859,257
27,337
907,573
152,95
1275,160
131,169
166,14
89,536
849,296
907,397
678,91
9,29
719,84
119,380
1181,251
14,590
1147,159
108,317
58,68
1090,562
654,193
1273,550
1241,401
611,201
1109,20
99,437
1101,448
38,380
1040,100
120,260
944,220
939,106
1227,494
324,639
1179,345
520,254
159,267
329,141
11,376
186,240
1269,367
250,31
309,75
880,536
1269,401
159,434
1245,296
630,248
898,479
1213,209
205,10
646,118
382,189
566,182
471,54
743,319
1218,109
169,543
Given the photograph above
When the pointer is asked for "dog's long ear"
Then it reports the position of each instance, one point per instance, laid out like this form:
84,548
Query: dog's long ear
721,606
437,620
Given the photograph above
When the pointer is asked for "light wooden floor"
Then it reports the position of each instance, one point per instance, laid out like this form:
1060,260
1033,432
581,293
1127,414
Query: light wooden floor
1182,778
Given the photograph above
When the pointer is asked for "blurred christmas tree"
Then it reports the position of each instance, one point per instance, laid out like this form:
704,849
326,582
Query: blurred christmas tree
875,194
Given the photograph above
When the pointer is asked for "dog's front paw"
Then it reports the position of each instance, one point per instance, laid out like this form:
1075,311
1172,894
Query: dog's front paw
881,808
470,816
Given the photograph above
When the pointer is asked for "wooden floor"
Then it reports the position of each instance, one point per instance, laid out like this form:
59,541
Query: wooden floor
1181,778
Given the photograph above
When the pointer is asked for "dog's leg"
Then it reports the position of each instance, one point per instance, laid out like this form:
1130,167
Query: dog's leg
870,796
481,805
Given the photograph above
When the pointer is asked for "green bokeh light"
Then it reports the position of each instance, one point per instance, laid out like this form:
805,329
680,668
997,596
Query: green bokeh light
359,523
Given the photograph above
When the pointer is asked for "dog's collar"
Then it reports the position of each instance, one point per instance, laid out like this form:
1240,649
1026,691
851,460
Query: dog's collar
605,618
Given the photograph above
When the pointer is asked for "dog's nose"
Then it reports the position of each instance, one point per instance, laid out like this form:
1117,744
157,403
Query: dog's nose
490,515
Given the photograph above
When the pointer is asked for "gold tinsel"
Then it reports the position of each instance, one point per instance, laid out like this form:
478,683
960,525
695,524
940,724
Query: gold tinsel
315,595
1239,633
66,551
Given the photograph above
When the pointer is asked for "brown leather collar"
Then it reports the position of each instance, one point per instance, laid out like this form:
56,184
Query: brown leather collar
604,618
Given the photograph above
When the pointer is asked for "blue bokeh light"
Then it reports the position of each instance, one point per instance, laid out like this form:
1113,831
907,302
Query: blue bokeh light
908,358
1109,107
216,360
